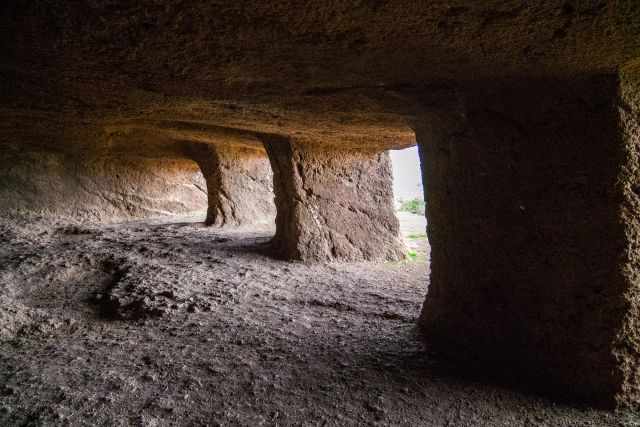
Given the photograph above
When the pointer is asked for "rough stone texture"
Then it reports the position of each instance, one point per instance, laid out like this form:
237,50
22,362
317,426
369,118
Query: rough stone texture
227,336
239,183
148,75
532,191
333,204
326,69
627,341
258,48
91,188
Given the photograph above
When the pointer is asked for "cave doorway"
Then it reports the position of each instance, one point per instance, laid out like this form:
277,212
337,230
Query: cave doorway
410,202
239,183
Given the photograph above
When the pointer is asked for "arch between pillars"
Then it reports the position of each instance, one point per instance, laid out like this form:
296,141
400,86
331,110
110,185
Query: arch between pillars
239,184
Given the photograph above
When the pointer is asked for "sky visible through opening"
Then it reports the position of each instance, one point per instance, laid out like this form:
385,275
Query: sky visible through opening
407,179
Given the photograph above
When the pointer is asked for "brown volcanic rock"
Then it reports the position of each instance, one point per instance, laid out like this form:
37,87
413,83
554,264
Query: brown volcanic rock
50,184
333,204
533,220
531,179
239,183
332,70
250,48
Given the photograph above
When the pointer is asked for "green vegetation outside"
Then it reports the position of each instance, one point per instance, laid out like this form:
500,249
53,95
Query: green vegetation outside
415,206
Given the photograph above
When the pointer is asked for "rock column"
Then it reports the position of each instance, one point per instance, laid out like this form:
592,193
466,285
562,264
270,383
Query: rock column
333,203
533,206
239,184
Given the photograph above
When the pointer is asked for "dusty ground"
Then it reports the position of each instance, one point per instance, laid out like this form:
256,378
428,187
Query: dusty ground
158,323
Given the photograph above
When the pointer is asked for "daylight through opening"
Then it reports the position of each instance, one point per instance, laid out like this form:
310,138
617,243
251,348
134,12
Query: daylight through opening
410,202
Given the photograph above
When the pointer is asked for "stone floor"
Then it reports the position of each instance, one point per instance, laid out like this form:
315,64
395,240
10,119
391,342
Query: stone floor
169,323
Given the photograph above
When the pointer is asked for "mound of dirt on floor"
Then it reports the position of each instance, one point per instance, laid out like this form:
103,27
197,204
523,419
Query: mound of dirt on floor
137,290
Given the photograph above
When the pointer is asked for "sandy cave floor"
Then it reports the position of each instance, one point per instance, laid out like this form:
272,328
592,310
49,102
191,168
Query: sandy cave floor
170,323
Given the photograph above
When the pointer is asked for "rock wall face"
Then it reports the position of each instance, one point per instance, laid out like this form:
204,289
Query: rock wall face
60,186
532,182
533,221
239,182
279,47
627,351
332,203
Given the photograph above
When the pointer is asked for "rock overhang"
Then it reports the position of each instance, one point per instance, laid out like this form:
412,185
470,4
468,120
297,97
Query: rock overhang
335,72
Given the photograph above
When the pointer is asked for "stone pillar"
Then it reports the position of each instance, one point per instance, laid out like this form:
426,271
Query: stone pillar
533,207
333,203
239,184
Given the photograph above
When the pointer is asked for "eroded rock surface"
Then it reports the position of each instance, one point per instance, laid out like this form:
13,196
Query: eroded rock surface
333,204
531,183
283,343
533,223
55,185
239,183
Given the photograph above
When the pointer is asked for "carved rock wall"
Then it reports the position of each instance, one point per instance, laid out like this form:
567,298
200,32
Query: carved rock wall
332,203
239,182
62,186
533,221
